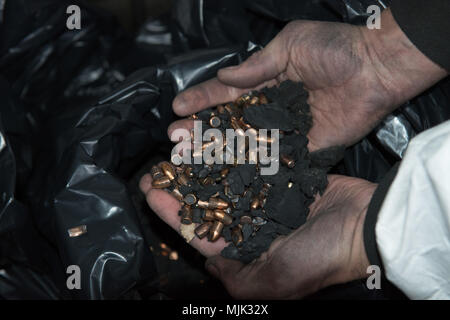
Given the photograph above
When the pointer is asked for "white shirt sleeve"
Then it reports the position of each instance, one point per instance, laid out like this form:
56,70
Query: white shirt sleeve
413,227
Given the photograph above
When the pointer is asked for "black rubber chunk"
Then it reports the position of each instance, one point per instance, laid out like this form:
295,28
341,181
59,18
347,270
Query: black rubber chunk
286,206
269,116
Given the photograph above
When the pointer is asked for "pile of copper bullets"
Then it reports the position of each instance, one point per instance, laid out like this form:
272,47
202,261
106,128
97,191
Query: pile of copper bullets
216,213
235,201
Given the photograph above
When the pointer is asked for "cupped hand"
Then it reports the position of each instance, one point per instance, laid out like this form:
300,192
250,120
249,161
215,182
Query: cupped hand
328,249
346,93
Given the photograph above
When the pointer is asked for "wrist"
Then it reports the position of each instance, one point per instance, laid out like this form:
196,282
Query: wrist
402,69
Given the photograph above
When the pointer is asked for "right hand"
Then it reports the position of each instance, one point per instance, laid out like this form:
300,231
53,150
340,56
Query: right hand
354,76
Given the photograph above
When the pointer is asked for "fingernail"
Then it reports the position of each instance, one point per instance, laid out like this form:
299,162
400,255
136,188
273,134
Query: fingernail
213,270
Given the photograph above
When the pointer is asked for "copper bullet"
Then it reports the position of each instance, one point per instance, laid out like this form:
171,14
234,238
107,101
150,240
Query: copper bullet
263,99
224,172
203,204
215,122
245,125
168,170
213,203
287,161
208,215
245,219
255,203
177,194
188,172
202,230
186,217
207,181
235,123
217,203
236,236
190,199
215,231
254,101
221,216
156,172
183,179
161,183
180,169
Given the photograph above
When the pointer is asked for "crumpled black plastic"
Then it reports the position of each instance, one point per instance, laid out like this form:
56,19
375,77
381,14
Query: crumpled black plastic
76,120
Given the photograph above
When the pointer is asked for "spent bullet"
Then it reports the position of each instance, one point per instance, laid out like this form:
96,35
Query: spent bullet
208,215
190,199
177,194
207,181
215,231
254,101
202,230
188,172
168,170
224,172
287,161
245,219
221,216
161,183
215,122
183,179
255,204
156,172
213,203
186,217
236,236
217,203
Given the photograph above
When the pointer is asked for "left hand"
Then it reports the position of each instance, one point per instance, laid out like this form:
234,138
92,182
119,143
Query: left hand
328,249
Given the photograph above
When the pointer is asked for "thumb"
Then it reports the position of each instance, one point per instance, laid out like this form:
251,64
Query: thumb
262,66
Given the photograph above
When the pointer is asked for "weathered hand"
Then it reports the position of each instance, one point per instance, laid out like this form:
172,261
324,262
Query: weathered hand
328,249
355,76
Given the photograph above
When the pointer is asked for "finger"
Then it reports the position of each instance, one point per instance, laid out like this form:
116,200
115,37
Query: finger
187,124
211,93
204,95
167,208
262,66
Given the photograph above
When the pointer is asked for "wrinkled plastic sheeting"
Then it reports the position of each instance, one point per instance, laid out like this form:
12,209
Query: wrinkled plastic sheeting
215,23
50,66
355,11
89,152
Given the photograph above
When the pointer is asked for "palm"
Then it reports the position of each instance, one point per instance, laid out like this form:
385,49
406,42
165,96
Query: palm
347,98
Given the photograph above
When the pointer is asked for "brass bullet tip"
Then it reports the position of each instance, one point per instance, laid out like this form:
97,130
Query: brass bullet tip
218,203
202,230
215,231
223,217
287,161
161,183
236,236
167,169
